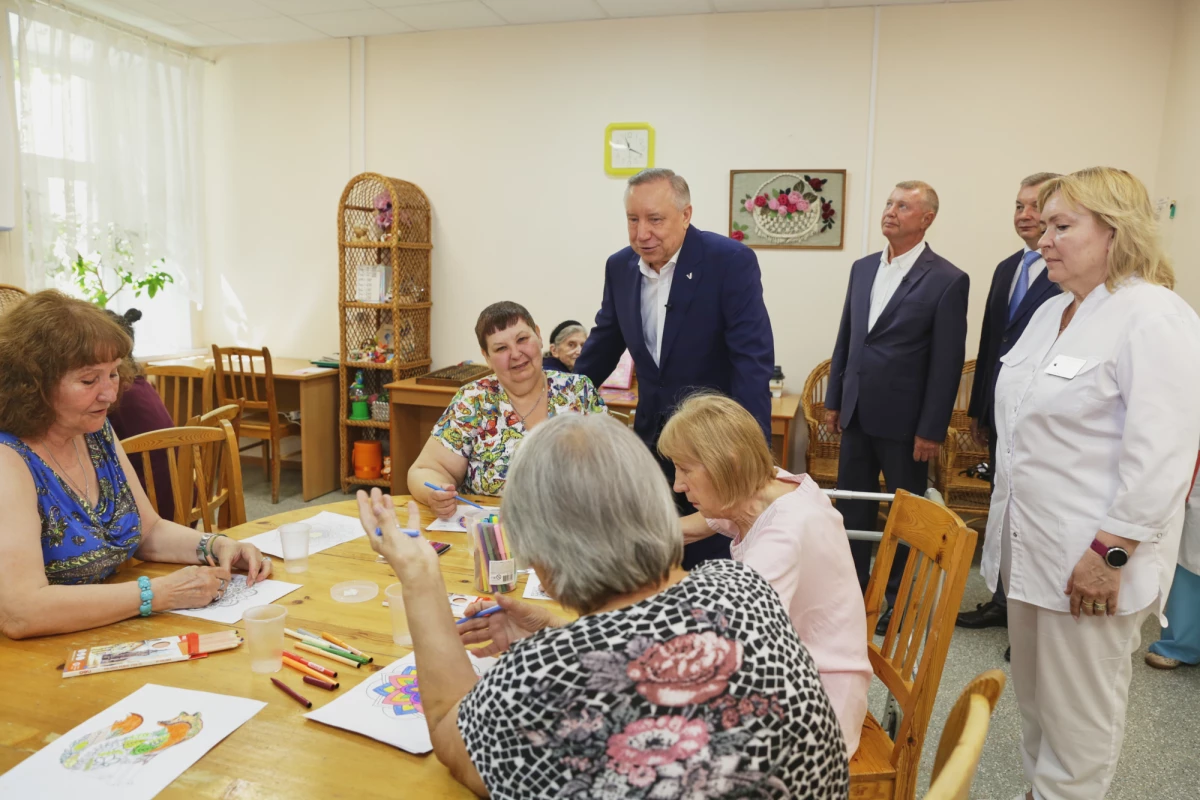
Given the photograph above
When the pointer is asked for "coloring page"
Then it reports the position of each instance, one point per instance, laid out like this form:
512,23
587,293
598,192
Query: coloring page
133,749
238,597
328,530
533,588
387,706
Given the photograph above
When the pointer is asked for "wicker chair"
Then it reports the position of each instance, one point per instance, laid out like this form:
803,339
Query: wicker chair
821,455
968,497
10,296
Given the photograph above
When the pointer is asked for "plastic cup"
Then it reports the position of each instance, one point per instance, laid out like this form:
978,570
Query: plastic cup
264,637
295,537
395,601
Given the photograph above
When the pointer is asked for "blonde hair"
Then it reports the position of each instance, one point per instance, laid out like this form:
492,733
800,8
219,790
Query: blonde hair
1119,201
713,431
927,192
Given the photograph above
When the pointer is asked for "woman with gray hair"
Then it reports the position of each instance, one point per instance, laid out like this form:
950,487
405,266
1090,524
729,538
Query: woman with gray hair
566,343
669,685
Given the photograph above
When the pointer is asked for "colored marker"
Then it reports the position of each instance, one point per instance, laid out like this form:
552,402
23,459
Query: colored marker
409,531
296,665
326,654
485,613
329,673
291,693
457,497
334,640
309,634
323,684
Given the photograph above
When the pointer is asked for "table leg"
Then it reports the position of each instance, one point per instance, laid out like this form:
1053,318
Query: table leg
319,453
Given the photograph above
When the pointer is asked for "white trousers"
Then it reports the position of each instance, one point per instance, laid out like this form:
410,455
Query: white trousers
1072,684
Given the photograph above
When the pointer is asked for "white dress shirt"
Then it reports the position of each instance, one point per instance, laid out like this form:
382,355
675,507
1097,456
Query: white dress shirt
1035,269
656,291
1111,448
888,278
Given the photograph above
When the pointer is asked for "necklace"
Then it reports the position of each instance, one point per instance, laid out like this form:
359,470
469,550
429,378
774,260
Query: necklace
62,471
536,403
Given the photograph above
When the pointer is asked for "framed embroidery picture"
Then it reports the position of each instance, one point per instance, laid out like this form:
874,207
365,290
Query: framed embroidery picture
788,209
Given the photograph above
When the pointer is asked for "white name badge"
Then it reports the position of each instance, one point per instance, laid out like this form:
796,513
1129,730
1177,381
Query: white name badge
1065,366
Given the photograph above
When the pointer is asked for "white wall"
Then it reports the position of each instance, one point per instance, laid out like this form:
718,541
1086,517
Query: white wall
503,130
1179,166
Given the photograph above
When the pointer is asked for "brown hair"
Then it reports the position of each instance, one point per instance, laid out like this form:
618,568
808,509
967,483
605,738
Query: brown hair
715,432
1121,203
498,317
44,337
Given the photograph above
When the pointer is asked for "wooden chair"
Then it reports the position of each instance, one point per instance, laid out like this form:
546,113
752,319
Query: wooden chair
186,391
961,745
969,497
909,662
10,296
821,455
222,474
185,456
237,376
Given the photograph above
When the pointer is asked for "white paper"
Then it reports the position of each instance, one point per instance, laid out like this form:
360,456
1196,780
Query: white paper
368,287
238,597
95,759
328,530
454,524
387,706
459,603
533,588
1065,366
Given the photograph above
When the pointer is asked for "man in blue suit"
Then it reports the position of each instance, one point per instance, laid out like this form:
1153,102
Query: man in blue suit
1019,286
688,305
896,366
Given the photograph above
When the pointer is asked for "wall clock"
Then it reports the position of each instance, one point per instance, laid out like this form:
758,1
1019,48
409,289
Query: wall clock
628,148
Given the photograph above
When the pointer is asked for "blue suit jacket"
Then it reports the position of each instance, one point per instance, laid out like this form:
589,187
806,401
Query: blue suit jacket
717,334
901,377
1000,333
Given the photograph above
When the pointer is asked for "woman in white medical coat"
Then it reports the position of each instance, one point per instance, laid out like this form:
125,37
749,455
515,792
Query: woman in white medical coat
1097,424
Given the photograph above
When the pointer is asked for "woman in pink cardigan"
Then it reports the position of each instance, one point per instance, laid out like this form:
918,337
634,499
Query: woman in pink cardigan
784,527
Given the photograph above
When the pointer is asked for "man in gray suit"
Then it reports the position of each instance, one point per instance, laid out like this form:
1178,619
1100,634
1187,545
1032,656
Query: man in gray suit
896,366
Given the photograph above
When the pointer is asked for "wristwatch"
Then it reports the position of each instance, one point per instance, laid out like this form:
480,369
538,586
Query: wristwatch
1115,557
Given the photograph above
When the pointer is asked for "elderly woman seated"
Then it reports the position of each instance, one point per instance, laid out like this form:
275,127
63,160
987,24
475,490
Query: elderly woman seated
784,527
566,343
73,511
668,685
474,441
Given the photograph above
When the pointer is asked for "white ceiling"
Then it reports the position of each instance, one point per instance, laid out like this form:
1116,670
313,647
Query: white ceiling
200,23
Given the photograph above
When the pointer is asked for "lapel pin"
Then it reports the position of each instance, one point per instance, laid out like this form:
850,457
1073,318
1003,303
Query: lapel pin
689,276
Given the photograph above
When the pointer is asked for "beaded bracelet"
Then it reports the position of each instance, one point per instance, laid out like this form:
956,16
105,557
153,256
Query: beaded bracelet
147,595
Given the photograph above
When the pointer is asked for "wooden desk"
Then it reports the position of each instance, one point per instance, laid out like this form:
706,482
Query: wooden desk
415,409
313,391
277,753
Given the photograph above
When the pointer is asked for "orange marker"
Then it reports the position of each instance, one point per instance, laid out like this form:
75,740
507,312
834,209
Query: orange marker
336,641
296,665
311,664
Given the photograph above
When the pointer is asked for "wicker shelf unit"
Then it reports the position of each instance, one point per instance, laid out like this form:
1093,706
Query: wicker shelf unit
371,238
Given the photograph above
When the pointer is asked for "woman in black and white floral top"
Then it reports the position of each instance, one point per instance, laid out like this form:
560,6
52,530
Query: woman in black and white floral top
670,685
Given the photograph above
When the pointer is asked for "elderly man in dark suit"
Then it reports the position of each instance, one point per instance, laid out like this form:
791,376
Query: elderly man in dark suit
896,366
688,305
1019,286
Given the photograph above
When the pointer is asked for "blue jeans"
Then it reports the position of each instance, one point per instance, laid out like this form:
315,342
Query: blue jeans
1181,638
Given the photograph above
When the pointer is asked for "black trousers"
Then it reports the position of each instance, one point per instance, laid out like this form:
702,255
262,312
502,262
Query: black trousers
861,460
712,547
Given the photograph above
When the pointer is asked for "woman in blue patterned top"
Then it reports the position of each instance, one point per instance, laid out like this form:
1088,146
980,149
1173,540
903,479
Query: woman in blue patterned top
473,442
71,508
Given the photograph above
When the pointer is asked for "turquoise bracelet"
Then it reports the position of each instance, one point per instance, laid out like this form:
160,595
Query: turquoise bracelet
147,595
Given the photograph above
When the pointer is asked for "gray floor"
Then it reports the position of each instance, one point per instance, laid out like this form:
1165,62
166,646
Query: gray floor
1160,760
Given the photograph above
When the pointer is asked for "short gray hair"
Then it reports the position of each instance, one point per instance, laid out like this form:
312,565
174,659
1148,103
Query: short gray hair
1038,178
586,501
683,195
927,193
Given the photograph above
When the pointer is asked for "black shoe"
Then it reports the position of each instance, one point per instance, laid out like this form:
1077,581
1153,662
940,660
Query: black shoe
882,625
985,615
1008,653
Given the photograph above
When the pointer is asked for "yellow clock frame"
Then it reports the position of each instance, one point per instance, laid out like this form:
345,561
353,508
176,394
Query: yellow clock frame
627,126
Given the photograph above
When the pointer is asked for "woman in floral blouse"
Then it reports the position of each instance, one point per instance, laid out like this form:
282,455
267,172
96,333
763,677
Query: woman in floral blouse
669,685
474,440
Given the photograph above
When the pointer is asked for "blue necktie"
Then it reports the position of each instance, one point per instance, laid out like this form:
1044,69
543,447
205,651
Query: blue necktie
1022,282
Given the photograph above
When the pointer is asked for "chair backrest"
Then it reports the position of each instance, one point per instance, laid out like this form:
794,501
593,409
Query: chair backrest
962,401
821,443
909,662
961,745
184,448
185,391
237,372
223,475
10,296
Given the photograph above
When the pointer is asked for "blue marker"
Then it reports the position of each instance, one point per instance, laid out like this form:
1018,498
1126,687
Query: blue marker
485,613
409,531
457,497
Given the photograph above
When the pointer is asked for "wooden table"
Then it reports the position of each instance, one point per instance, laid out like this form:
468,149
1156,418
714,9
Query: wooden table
415,409
313,391
277,753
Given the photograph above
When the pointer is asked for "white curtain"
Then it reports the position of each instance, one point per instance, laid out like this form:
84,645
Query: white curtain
8,154
111,160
